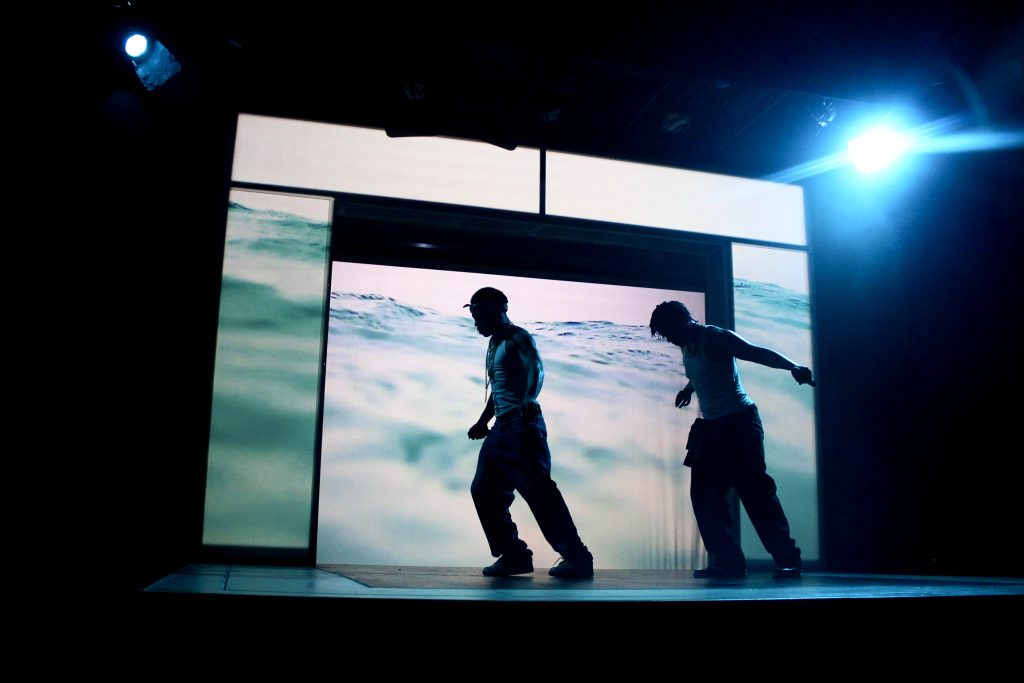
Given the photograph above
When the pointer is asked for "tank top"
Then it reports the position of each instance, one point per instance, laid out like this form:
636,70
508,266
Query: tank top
716,382
506,375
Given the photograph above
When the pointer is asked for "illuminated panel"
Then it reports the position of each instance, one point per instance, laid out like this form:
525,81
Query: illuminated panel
664,197
266,388
335,158
772,308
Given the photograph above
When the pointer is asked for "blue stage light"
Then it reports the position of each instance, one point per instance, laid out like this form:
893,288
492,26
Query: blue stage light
876,149
154,64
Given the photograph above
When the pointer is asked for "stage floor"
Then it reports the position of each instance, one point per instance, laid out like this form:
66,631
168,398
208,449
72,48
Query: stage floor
919,622
366,582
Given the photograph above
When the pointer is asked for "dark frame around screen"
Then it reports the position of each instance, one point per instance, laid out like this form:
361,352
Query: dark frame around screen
422,235
417,234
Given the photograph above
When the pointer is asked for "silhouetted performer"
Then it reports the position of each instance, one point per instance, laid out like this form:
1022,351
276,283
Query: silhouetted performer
725,448
515,455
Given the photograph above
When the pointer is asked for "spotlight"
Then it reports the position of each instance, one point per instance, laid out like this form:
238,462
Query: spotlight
136,45
876,149
154,64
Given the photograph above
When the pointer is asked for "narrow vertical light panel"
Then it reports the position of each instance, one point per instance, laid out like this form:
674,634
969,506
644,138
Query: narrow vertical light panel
266,388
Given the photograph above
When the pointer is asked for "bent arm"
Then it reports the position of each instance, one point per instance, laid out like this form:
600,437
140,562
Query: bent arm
480,429
488,412
529,358
683,397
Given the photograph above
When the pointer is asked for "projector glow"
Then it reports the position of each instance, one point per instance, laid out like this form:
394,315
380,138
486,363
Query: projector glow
876,149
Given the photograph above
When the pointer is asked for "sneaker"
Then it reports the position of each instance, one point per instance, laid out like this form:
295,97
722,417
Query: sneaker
720,572
582,568
790,572
510,565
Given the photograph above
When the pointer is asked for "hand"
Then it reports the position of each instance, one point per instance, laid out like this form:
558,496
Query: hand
802,375
683,397
529,408
478,431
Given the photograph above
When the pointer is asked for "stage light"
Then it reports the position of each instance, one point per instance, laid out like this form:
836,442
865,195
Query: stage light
136,45
154,64
876,149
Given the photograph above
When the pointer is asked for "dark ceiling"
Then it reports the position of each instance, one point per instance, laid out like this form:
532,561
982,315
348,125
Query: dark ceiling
729,89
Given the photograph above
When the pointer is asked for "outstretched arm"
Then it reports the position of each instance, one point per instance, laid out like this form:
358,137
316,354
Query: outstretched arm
728,343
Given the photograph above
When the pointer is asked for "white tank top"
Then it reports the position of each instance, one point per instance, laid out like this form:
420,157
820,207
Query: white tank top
506,376
716,382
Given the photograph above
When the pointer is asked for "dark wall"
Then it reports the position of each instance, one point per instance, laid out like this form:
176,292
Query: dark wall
918,314
146,246
916,302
